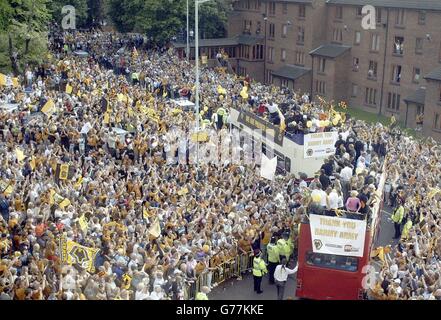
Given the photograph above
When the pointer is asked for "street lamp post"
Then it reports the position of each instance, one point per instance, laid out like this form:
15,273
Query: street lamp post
196,48
188,37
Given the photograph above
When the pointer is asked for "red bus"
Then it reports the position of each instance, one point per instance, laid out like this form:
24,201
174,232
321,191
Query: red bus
335,277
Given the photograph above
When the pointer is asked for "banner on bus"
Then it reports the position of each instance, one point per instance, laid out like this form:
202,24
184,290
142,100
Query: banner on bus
320,144
340,236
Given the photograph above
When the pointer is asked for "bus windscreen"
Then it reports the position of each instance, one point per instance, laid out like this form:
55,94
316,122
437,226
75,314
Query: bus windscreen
332,261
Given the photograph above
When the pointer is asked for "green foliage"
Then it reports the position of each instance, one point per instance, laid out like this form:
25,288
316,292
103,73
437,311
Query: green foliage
23,31
163,19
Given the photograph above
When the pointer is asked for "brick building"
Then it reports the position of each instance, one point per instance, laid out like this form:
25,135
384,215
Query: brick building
320,46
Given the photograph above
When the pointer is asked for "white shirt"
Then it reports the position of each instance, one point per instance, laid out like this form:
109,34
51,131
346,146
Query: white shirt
346,173
333,200
281,274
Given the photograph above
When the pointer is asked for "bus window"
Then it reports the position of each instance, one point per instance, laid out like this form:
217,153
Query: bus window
287,165
331,261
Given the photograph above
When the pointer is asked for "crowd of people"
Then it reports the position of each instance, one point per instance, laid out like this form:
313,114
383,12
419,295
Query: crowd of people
88,157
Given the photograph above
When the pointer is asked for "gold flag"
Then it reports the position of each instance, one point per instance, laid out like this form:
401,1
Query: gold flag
33,163
155,229
48,108
2,79
106,119
63,204
83,223
78,183
15,82
69,89
73,253
64,171
20,155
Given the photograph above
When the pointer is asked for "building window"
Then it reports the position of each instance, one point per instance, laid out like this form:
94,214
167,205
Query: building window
396,74
301,35
302,11
284,30
338,35
320,87
272,30
400,17
247,26
437,122
422,17
300,58
371,97
270,54
399,45
284,7
357,39
378,14
339,12
355,64
322,65
393,101
272,8
372,72
439,93
416,75
375,42
283,55
359,12
269,76
258,4
354,90
258,27
419,45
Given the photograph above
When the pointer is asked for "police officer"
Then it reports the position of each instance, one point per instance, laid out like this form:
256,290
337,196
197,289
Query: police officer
259,270
202,295
284,247
273,258
397,218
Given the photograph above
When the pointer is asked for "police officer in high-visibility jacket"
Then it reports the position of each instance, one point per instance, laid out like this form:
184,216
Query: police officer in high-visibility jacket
259,270
284,247
202,295
273,258
397,218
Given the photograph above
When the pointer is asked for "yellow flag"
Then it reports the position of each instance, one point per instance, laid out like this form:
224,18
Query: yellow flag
106,119
155,229
78,183
33,163
199,137
15,82
74,253
20,155
68,89
78,93
2,79
64,171
83,223
63,204
127,281
282,121
130,111
48,108
6,187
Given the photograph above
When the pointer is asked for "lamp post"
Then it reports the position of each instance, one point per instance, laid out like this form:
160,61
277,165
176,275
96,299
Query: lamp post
187,53
196,48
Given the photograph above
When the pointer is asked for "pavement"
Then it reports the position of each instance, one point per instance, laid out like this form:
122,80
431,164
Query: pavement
243,289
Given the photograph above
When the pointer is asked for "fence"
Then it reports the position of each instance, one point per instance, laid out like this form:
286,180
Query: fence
225,271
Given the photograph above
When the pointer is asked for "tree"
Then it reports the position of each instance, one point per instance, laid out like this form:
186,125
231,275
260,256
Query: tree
163,19
23,37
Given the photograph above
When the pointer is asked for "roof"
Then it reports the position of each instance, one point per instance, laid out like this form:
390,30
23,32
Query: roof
291,72
404,4
434,75
418,97
330,50
223,42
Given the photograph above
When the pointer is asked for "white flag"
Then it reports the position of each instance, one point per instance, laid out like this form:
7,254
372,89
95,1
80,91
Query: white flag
268,167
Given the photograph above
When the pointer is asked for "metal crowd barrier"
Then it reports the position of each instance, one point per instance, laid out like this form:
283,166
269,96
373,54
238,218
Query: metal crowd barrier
227,270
